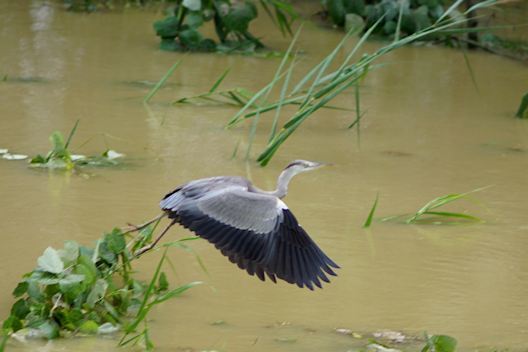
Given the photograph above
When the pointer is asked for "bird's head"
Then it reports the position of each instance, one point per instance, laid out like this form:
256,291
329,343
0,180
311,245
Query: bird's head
298,166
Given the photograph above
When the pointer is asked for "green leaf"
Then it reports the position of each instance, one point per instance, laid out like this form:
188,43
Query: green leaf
48,329
194,19
190,38
163,283
239,16
440,343
115,241
70,253
167,28
12,323
86,267
89,327
337,12
21,288
50,261
20,309
97,293
368,222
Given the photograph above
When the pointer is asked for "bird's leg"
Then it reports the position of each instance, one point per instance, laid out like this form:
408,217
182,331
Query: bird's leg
153,244
134,228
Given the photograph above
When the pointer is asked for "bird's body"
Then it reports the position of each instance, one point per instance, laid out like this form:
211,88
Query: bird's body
253,228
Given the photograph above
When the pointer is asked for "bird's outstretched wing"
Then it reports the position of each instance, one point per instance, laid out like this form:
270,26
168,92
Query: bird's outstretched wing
255,231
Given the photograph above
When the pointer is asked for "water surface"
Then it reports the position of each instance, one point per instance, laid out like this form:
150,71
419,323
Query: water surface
427,132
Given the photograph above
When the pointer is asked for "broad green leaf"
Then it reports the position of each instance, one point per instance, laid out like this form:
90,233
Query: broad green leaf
87,268
20,309
48,330
89,327
440,343
115,241
97,293
194,19
21,288
167,28
70,253
239,16
336,10
191,38
50,261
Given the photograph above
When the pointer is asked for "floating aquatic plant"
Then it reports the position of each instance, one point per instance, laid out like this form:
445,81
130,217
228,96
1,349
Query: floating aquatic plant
429,213
60,157
180,30
80,290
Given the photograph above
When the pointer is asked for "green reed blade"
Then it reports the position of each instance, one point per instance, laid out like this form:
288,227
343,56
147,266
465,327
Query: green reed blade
368,222
161,82
219,80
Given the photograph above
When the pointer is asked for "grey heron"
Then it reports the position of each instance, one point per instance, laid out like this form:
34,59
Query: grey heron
252,227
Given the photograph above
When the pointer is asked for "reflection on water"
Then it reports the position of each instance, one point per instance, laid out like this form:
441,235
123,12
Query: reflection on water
427,132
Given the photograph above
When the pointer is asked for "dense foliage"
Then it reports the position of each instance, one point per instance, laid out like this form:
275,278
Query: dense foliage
403,17
85,290
180,30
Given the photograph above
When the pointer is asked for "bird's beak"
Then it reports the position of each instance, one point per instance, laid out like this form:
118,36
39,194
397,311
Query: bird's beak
320,164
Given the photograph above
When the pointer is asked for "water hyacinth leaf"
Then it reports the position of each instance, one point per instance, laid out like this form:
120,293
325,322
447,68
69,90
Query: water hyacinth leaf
440,343
50,261
239,16
97,293
194,19
193,5
71,279
89,327
21,288
86,267
167,28
20,309
70,252
48,330
115,241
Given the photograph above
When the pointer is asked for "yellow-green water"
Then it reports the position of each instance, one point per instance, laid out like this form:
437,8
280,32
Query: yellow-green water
427,132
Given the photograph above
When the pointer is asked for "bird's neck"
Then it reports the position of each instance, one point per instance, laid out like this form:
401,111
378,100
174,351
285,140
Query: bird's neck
283,181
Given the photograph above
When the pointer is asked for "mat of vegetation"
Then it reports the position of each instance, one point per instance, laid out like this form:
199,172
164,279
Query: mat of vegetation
90,291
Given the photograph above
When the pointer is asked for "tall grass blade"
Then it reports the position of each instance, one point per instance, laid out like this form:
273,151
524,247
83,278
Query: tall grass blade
161,82
284,88
368,222
398,24
219,80
72,133
449,10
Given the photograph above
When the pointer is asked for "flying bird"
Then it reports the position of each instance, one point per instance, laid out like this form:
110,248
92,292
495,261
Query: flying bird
253,228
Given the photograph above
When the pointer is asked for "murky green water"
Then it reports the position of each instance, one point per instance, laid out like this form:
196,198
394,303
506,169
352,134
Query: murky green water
427,132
